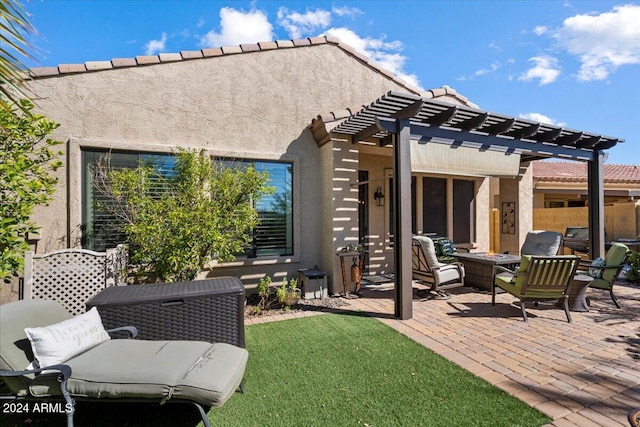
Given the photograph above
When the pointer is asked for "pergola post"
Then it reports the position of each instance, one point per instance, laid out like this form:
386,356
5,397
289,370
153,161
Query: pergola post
402,220
595,182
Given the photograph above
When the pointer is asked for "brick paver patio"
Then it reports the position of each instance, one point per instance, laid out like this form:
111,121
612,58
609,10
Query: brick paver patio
584,373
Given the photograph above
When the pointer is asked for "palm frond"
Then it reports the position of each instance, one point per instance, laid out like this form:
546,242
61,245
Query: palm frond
14,27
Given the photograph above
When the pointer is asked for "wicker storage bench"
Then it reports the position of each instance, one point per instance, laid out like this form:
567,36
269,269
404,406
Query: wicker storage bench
202,310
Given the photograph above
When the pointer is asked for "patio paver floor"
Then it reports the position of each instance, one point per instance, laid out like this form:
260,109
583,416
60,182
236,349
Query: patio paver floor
584,373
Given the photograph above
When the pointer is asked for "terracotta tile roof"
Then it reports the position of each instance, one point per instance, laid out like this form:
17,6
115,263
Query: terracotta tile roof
93,66
577,171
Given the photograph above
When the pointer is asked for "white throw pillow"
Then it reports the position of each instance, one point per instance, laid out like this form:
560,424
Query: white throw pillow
57,343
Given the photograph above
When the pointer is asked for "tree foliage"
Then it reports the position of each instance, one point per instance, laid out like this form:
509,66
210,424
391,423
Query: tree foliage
176,223
27,161
14,26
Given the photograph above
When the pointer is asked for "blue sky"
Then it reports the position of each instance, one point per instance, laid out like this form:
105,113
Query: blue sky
571,63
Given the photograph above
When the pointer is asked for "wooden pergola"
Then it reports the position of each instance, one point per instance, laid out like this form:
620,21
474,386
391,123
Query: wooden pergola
397,118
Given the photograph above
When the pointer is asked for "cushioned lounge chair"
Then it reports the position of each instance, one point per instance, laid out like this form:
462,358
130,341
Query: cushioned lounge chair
427,268
606,276
130,370
537,278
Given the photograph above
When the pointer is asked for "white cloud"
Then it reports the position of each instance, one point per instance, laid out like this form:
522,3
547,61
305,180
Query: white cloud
538,117
347,11
155,46
495,46
546,70
603,42
298,24
385,53
494,67
238,27
540,30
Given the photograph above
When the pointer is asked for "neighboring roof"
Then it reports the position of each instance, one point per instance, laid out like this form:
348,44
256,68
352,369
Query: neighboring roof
138,61
577,172
466,126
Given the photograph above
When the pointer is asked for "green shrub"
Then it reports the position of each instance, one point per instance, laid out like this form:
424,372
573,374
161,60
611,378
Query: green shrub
633,275
27,161
206,211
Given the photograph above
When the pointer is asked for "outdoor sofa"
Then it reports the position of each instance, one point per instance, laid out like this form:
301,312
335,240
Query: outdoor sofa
47,354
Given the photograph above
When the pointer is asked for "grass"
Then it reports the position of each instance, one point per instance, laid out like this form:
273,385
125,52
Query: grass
342,370
334,370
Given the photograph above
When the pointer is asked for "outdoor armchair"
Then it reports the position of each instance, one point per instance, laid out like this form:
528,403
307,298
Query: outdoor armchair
605,275
540,242
46,354
427,268
537,278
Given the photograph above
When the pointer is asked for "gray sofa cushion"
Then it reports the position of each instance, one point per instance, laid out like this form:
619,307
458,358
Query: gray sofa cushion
159,370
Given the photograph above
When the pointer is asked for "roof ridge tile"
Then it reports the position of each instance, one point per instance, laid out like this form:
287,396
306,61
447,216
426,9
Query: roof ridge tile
284,43
142,60
169,57
249,47
230,50
214,51
191,54
147,59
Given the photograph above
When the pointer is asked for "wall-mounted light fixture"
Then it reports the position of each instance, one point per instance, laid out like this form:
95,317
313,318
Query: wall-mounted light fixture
379,197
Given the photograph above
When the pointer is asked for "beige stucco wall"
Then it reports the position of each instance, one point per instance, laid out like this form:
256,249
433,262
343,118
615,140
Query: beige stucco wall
520,191
256,105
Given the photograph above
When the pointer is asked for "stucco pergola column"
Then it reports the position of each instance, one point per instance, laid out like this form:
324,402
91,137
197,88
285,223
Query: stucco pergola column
340,205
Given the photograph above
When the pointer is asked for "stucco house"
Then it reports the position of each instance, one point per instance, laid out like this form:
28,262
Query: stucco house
304,110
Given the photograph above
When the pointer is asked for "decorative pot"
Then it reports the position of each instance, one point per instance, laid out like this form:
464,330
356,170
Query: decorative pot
634,417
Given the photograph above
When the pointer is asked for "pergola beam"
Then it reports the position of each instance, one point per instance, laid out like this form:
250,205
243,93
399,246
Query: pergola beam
499,143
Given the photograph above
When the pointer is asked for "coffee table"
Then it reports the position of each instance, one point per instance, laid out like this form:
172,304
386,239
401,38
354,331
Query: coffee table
478,267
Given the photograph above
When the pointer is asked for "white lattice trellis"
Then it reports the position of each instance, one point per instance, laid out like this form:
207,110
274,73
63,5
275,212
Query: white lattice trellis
73,276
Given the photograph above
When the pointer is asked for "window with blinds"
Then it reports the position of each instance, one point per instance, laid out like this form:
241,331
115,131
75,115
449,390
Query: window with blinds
101,228
272,237
274,234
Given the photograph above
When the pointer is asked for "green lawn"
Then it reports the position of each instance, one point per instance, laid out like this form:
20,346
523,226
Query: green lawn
333,370
346,370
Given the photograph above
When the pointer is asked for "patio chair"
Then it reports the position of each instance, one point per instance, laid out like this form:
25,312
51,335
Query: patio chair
427,268
540,242
45,354
605,276
537,278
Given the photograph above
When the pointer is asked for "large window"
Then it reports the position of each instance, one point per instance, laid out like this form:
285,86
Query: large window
436,214
273,236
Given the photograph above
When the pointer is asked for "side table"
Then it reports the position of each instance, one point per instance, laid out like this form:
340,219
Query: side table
577,292
356,271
